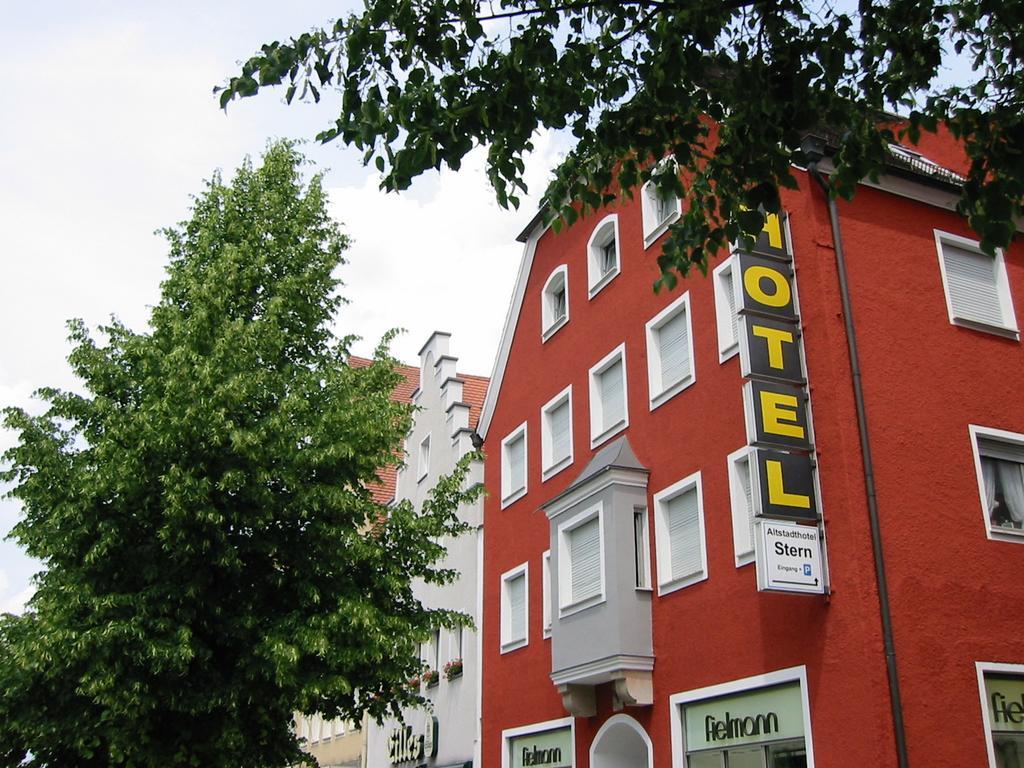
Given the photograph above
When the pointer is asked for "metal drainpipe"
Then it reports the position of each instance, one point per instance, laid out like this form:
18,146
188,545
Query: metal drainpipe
869,472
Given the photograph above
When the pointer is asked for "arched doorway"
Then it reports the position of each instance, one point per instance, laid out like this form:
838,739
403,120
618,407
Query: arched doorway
621,743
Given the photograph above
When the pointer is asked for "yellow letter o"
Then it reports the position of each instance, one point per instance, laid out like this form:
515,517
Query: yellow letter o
752,283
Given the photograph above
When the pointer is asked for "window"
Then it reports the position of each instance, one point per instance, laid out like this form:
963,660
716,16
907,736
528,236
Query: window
423,461
741,496
555,302
434,660
514,608
726,316
608,411
679,528
999,457
669,354
1002,688
603,254
546,577
977,291
513,466
641,549
556,433
580,562
455,642
657,212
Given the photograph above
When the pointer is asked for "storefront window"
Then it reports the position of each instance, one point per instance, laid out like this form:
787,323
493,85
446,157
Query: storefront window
1004,698
761,728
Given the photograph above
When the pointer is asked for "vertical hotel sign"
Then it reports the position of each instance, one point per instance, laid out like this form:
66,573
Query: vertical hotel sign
775,402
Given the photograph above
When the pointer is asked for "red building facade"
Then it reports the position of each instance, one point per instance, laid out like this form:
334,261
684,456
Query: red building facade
623,624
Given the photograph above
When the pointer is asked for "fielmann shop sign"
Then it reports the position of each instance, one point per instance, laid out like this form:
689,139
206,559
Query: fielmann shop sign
775,397
767,714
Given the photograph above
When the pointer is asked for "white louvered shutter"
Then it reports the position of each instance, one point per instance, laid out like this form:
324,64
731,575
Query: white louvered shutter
743,470
973,289
685,546
730,298
517,608
516,464
613,402
674,349
585,560
560,432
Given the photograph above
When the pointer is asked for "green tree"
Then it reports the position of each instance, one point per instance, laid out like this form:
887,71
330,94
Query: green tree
213,559
728,88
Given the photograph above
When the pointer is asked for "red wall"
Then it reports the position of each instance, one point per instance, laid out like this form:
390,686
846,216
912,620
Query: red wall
924,380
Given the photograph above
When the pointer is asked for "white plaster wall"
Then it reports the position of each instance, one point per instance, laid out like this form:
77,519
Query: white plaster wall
454,702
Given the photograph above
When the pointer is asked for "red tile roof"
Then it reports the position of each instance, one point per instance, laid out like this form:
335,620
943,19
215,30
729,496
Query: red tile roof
384,490
474,390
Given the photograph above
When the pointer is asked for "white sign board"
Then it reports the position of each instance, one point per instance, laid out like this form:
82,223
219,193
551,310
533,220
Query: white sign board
789,557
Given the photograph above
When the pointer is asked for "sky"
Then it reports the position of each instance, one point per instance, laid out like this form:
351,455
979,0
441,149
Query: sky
108,125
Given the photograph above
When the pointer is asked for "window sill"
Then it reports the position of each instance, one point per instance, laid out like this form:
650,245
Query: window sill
582,605
651,237
1006,331
729,352
513,645
602,281
554,328
667,394
608,433
745,559
513,497
687,581
1011,535
554,469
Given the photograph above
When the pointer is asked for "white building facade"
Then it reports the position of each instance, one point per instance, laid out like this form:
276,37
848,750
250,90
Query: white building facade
447,734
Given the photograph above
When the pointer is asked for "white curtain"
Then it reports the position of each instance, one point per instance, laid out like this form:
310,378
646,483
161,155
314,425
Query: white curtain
988,477
1011,478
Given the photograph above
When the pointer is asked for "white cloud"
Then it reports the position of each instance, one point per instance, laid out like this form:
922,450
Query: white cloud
16,603
447,262
13,603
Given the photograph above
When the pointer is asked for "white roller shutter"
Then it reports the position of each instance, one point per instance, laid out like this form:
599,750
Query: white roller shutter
584,544
683,523
972,283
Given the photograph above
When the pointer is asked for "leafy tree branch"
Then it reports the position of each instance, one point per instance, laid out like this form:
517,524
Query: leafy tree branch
728,90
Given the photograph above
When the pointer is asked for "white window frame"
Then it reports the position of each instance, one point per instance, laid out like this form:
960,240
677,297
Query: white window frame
606,231
545,560
423,459
549,321
994,668
456,638
642,548
509,643
565,605
509,734
596,406
658,393
1015,441
677,701
742,516
655,229
1008,326
434,651
666,583
725,297
510,495
550,467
